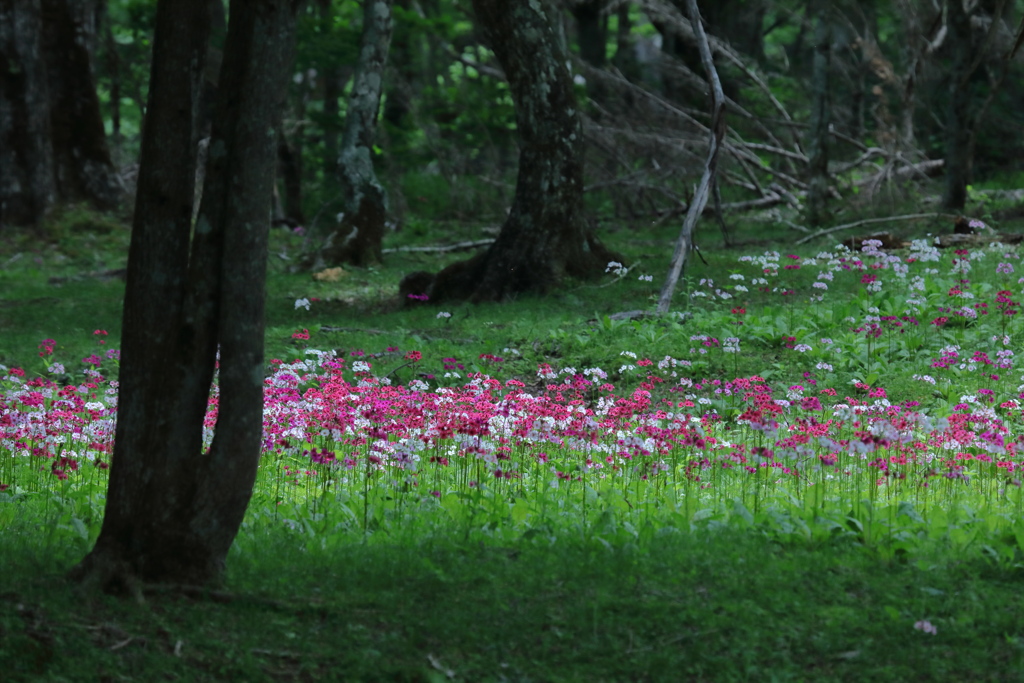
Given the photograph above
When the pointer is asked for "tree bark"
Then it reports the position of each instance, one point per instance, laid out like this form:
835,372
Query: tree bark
332,91
821,111
958,119
173,507
358,238
544,237
289,164
81,157
592,31
27,179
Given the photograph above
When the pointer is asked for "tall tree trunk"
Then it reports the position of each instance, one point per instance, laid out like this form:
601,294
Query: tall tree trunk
625,59
958,118
544,237
332,91
27,179
113,66
289,164
173,510
818,135
81,157
592,31
357,240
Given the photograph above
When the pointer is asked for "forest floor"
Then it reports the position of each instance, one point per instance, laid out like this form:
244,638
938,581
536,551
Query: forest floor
727,601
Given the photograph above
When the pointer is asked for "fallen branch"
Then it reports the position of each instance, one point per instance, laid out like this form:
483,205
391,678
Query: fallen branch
923,168
871,221
442,249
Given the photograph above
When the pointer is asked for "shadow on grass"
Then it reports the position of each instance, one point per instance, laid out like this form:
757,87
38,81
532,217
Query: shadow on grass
703,606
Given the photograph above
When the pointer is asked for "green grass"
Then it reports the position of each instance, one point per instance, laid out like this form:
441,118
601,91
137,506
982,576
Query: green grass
713,606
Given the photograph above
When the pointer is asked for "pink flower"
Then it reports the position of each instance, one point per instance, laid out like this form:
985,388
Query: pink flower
925,626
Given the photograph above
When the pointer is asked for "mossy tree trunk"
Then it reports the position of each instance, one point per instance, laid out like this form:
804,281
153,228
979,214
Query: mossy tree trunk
173,506
358,236
544,237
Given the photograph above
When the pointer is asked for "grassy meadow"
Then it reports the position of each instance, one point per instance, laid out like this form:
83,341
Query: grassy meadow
808,471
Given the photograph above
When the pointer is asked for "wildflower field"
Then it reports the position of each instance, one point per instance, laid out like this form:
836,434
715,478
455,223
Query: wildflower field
862,402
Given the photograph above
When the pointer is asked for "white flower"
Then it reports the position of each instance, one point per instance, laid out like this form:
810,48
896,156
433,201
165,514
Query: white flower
444,314
646,278
302,303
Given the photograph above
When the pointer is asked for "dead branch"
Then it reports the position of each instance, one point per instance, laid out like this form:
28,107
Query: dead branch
700,197
922,168
442,248
872,221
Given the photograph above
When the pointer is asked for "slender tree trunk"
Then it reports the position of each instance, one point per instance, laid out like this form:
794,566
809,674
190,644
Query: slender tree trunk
958,118
113,64
357,239
27,179
544,237
625,48
289,163
592,29
173,507
81,157
821,110
332,92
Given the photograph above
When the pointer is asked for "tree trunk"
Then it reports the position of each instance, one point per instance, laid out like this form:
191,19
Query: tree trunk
592,31
27,179
357,240
818,135
173,507
544,237
289,163
81,157
958,119
740,22
332,91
